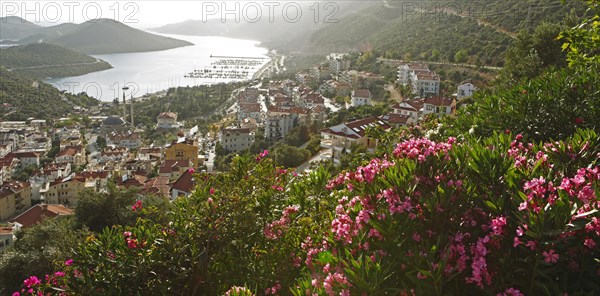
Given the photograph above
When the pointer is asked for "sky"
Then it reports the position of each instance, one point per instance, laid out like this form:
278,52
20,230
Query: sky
141,14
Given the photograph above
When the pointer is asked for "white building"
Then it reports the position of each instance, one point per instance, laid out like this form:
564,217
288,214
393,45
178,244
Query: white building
343,137
405,71
236,139
438,105
360,97
279,123
337,63
424,83
465,90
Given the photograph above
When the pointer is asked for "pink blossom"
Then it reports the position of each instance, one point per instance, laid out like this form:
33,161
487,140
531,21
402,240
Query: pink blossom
191,170
137,205
31,281
590,243
211,191
550,256
511,292
69,262
127,234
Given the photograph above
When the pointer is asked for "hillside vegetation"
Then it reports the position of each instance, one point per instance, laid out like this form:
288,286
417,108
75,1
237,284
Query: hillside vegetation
430,29
33,98
43,60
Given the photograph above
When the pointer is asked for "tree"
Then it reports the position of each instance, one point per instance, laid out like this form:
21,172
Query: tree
97,210
290,156
461,56
35,251
435,55
101,142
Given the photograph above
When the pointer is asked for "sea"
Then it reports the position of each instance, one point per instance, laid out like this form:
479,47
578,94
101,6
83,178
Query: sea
210,60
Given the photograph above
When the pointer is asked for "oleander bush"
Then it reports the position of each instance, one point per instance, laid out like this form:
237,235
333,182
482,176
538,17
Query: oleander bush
457,217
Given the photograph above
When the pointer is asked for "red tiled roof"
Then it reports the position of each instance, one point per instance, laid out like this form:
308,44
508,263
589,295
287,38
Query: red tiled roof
363,93
168,115
438,101
38,212
185,183
250,107
169,166
395,118
314,98
93,174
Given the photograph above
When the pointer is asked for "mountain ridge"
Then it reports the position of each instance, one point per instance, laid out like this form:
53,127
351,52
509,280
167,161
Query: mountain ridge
102,36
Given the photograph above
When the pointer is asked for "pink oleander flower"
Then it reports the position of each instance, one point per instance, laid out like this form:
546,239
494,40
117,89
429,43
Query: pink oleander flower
32,281
59,274
69,262
550,256
191,170
511,292
132,243
211,191
127,234
16,294
137,205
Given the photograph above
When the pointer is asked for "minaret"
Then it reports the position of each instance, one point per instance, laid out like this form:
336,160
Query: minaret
124,106
131,104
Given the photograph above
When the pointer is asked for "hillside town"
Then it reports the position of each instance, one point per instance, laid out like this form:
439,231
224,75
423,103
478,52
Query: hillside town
45,167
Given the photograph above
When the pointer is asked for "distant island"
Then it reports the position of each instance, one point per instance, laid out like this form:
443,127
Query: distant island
99,36
42,60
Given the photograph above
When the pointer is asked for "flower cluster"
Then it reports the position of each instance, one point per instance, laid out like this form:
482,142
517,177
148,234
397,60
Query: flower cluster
137,205
275,229
262,155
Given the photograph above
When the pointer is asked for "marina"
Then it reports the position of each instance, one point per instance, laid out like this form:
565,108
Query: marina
235,68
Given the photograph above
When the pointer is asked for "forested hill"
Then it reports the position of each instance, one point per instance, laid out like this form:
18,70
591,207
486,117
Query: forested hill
43,60
102,36
482,29
22,97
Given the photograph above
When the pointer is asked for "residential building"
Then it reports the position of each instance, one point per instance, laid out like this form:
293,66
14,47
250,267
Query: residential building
279,122
438,105
7,237
75,155
40,212
173,169
411,108
337,63
183,186
26,159
398,120
15,197
167,120
129,140
465,90
425,83
341,138
360,97
66,191
311,100
249,110
183,149
236,139
406,70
